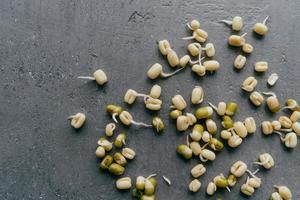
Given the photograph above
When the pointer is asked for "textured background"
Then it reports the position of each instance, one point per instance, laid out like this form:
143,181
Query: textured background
45,45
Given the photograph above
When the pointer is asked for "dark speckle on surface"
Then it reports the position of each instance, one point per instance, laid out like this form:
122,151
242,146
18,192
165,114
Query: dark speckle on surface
45,45
140,17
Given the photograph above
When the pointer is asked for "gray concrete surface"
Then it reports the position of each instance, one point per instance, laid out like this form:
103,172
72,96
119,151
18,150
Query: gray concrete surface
45,45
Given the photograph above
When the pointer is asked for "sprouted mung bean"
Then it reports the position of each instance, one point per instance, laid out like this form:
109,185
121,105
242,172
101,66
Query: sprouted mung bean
227,122
211,65
276,125
198,170
149,187
231,180
99,76
237,40
267,127
200,70
184,151
158,124
119,159
221,109
261,66
261,28
194,185
77,120
174,114
116,169
234,141
126,118
194,25
249,84
236,23
216,144
250,124
155,91
107,145
211,126
285,121
273,103
106,162
240,129
284,192
296,128
210,50
256,98
221,182
194,48
156,71
120,140
178,102
206,136
123,183
100,152
247,189
247,48
266,160
197,132
225,134
211,188
163,46
231,108
152,179
197,95
199,34
191,118
275,196
131,95
290,140
182,123
184,60
114,110
109,129
128,153
172,58
254,182
239,62
291,104
207,155
238,169
295,116
152,103
140,183
196,148
204,112
273,78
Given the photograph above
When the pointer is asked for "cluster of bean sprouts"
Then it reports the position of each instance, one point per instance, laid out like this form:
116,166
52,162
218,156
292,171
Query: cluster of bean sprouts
202,141
237,170
288,128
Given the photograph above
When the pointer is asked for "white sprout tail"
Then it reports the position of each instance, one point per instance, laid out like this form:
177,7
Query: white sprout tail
266,19
213,106
166,75
227,22
114,117
86,77
140,124
188,38
203,159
